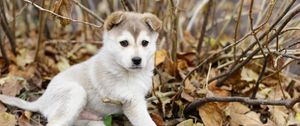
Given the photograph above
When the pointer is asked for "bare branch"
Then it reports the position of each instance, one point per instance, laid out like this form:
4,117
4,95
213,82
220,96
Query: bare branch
6,60
60,16
204,24
261,74
252,29
127,6
237,66
8,32
89,11
289,103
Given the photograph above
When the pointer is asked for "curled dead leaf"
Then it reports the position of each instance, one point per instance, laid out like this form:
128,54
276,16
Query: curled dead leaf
160,56
157,119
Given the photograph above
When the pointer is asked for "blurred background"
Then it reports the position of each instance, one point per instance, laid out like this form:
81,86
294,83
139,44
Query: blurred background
206,48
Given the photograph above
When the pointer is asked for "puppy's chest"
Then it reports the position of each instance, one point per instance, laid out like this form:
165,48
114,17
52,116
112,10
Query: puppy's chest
108,96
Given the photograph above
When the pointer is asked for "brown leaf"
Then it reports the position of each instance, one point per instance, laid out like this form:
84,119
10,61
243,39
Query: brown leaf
189,57
189,87
160,56
211,114
248,75
214,90
217,91
279,115
25,57
2,108
169,66
188,122
24,119
157,119
181,65
7,119
241,115
187,97
11,85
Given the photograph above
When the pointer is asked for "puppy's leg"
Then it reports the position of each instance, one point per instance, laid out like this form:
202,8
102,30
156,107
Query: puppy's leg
89,123
69,108
137,113
96,123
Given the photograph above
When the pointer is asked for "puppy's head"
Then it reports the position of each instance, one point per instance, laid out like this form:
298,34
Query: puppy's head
131,38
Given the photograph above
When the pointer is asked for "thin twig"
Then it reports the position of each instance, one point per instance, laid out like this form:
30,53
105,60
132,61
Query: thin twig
174,19
226,24
14,16
6,29
89,11
237,27
6,60
261,74
244,58
279,70
19,13
290,29
204,24
289,103
127,5
288,56
252,30
195,13
60,16
42,25
237,66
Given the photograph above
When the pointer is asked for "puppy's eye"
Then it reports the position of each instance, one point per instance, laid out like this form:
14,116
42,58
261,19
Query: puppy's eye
145,43
124,43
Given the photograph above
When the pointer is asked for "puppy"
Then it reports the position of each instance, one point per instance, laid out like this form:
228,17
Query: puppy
115,80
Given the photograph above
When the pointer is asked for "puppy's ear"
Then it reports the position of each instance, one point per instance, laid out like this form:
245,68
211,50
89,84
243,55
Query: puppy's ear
152,21
114,19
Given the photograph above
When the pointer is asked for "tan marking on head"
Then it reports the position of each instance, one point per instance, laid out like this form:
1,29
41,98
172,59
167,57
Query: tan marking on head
113,20
152,21
132,22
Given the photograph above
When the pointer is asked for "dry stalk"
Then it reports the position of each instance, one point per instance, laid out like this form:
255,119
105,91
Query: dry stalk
60,16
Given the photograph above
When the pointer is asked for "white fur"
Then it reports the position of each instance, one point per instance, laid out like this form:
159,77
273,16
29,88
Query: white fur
84,86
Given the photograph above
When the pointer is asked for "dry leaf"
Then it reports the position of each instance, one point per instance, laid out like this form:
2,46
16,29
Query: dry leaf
217,91
211,114
63,64
188,122
24,119
2,108
189,57
187,97
160,56
189,87
181,65
278,115
248,75
241,115
157,119
11,85
7,119
26,57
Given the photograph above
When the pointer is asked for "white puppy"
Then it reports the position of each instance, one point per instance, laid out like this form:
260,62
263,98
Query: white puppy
115,80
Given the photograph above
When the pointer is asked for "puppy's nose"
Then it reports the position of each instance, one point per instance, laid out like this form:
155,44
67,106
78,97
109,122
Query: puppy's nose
136,60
